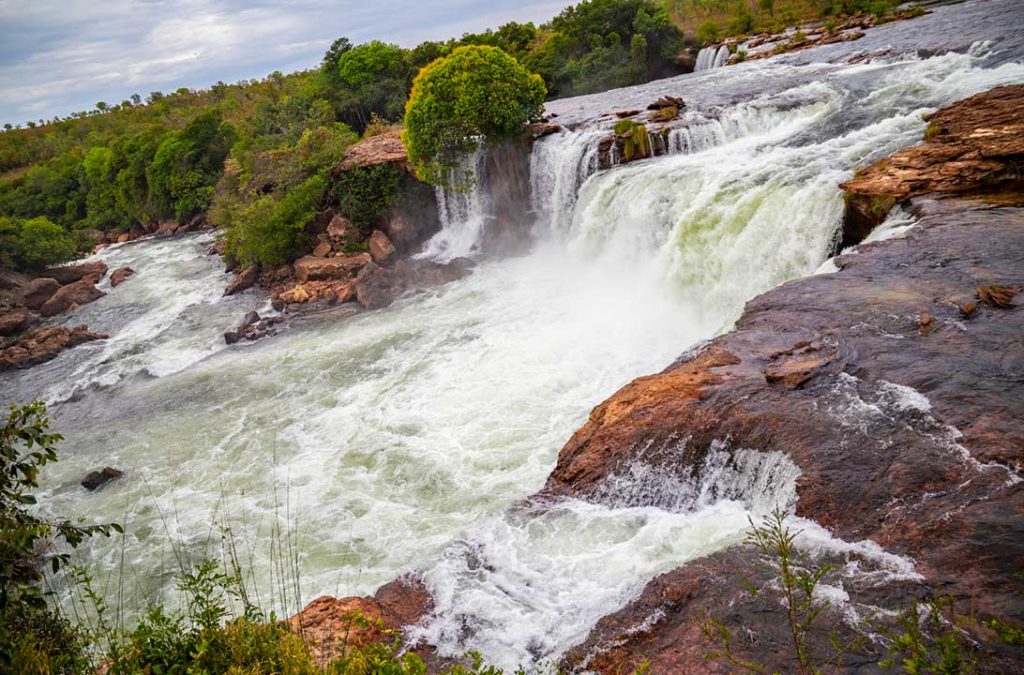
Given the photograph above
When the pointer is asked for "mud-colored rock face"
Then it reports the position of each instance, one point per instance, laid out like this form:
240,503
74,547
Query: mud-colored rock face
70,296
42,345
385,148
312,268
331,624
39,291
974,146
911,436
69,274
120,275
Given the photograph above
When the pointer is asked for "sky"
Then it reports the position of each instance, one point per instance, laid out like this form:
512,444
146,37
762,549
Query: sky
61,56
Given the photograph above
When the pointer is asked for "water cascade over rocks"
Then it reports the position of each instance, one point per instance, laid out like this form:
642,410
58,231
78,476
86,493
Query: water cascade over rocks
711,57
408,439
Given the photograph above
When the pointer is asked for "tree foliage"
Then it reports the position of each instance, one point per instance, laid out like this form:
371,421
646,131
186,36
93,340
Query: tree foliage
477,94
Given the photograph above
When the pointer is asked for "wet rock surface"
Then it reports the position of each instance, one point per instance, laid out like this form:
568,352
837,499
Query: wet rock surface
70,274
70,296
120,275
973,146
97,479
911,439
42,344
329,625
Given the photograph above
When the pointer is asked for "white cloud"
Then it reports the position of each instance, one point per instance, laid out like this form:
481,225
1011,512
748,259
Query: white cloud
57,57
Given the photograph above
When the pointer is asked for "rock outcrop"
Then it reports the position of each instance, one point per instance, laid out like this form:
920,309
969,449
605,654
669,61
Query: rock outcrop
243,281
94,480
38,291
974,146
331,624
42,344
70,274
70,296
120,275
312,268
908,437
384,148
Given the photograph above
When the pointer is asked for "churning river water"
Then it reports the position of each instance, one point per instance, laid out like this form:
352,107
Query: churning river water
347,451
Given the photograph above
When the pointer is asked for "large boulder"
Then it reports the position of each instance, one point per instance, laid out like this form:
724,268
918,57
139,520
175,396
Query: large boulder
97,479
243,281
406,233
381,249
385,148
331,624
69,274
73,295
120,275
43,344
39,291
313,268
341,229
167,228
16,320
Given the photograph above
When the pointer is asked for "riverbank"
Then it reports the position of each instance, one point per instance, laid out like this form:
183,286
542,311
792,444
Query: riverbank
893,382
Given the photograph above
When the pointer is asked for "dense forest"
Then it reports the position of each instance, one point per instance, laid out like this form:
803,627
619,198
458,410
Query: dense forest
254,156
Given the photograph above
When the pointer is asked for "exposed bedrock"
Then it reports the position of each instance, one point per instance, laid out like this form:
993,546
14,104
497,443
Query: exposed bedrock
973,146
905,418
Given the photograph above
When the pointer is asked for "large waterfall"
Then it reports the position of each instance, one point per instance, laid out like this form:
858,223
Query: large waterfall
407,438
711,57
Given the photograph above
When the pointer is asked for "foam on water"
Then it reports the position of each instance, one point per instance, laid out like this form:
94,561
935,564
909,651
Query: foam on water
397,439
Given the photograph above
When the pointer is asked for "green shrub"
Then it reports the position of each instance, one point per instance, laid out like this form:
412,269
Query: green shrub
365,194
41,243
272,230
707,32
477,94
33,638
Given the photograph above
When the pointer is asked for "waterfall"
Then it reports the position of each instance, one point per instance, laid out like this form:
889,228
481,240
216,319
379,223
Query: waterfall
462,207
711,57
407,439
559,165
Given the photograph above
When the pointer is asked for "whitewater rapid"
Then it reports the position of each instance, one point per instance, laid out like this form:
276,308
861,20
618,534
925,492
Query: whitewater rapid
406,439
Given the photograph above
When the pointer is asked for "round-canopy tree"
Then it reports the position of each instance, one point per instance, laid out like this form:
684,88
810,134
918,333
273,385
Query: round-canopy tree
475,95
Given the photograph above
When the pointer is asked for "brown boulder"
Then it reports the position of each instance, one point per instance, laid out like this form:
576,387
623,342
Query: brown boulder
406,233
322,250
97,479
381,248
342,229
69,274
120,275
385,148
39,291
16,320
312,268
73,295
167,228
43,344
122,238
243,281
972,146
331,625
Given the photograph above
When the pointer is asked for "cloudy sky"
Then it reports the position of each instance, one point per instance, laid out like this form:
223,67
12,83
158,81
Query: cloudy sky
60,56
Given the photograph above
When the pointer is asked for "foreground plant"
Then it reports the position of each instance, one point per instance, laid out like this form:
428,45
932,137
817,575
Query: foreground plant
34,639
796,580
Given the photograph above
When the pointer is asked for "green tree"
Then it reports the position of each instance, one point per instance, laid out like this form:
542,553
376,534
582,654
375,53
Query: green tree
475,94
271,230
42,242
187,165
372,78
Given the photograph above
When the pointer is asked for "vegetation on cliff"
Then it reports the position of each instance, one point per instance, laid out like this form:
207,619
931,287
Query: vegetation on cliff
476,94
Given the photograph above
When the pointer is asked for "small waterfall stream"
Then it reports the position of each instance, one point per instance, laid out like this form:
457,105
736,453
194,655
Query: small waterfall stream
407,438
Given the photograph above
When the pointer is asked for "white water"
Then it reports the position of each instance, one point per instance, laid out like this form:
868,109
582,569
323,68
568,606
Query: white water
711,57
463,211
396,440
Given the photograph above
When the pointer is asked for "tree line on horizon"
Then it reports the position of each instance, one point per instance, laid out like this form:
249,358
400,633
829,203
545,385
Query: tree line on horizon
257,154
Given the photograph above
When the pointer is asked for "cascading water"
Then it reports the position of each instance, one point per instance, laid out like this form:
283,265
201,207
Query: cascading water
399,439
463,211
711,57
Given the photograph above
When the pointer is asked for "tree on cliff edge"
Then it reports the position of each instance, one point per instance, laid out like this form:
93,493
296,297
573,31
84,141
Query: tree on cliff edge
474,96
